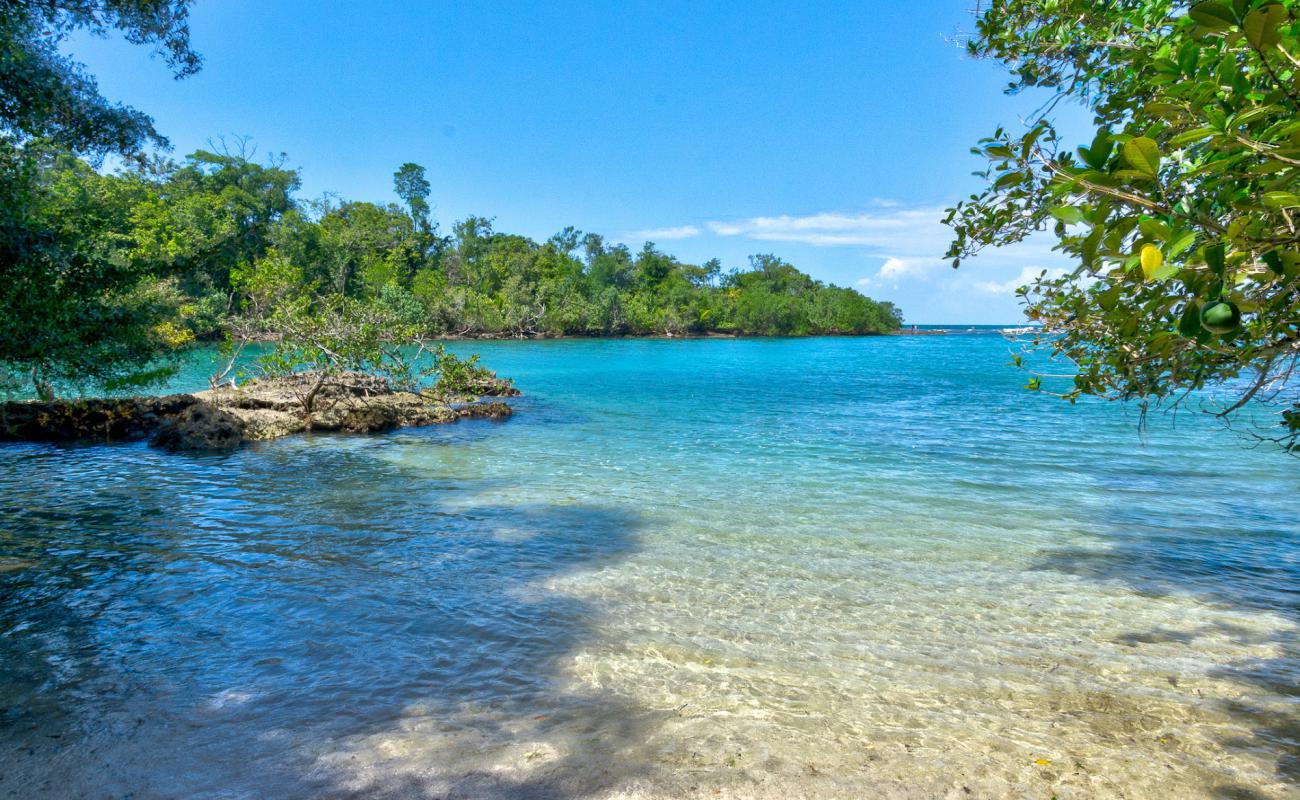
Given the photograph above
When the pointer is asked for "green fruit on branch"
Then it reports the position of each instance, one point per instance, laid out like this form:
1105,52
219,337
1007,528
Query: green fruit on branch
1220,316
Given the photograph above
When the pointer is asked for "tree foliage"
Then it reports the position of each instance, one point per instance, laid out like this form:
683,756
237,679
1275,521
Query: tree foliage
79,306
44,94
76,309
410,184
1180,210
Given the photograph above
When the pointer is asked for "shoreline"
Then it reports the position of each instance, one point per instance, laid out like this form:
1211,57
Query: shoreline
538,337
712,335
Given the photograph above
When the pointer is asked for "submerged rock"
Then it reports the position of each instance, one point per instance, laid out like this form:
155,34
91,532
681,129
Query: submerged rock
266,423
494,410
200,427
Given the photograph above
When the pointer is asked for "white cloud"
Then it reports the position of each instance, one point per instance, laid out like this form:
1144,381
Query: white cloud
1027,276
896,268
890,227
664,234
903,248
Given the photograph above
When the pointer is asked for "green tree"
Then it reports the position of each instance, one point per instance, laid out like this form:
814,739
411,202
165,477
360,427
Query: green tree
320,340
411,185
366,246
215,211
77,305
1180,210
78,311
45,94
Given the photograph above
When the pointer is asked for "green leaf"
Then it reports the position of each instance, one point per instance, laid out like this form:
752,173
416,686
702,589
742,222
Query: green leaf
1164,272
1098,153
1180,243
1070,215
1261,24
1195,135
1247,117
1009,179
1157,108
1154,229
1281,200
1228,68
1029,140
1189,324
1214,258
1132,174
1283,128
1143,155
1188,57
1274,262
1215,116
1109,299
1088,250
1212,15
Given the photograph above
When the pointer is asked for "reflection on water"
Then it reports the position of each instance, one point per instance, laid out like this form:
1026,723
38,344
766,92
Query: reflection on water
823,568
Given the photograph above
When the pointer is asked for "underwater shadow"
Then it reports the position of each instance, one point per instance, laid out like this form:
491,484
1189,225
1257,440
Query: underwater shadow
302,621
1253,570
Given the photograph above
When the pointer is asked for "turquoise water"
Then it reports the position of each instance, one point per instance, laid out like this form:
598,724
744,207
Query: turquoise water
726,568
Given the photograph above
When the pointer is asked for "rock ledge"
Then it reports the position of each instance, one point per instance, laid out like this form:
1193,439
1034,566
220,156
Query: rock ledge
223,419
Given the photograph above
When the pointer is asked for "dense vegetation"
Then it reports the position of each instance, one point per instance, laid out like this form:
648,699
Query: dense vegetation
108,273
196,248
1181,211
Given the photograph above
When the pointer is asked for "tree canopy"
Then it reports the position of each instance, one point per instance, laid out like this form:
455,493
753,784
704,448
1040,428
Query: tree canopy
1179,210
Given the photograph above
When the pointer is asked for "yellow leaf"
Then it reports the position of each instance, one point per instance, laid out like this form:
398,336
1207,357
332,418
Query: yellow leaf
1152,259
1044,762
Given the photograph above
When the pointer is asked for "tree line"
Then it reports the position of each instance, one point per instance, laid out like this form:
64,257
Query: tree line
113,269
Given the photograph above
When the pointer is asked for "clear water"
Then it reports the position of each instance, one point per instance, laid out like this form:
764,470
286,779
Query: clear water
850,568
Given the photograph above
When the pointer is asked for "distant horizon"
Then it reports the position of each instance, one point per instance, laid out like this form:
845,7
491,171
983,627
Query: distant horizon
976,324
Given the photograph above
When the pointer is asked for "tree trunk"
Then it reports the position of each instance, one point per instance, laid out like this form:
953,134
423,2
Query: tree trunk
44,390
309,400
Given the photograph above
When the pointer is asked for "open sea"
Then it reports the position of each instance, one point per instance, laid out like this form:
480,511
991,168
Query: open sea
782,568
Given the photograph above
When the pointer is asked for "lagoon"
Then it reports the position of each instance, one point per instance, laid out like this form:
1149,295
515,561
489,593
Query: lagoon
837,567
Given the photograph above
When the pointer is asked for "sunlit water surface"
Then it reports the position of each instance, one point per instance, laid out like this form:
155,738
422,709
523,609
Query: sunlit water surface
851,568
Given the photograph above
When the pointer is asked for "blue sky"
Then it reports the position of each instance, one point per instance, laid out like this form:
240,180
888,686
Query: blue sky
830,134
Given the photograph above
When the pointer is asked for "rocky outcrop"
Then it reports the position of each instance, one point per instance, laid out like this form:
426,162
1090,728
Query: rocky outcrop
477,386
490,385
350,403
224,418
99,419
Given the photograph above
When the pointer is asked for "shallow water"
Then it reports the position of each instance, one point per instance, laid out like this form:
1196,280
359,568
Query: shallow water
760,568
